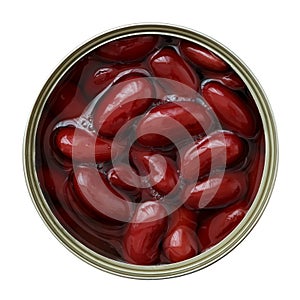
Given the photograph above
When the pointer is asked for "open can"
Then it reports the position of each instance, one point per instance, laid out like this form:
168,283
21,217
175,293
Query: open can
133,56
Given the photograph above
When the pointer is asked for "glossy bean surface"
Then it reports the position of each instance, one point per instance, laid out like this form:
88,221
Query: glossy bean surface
219,150
168,64
202,57
144,234
181,241
82,145
216,191
228,79
232,111
121,103
162,171
218,226
172,122
97,194
97,77
124,177
180,244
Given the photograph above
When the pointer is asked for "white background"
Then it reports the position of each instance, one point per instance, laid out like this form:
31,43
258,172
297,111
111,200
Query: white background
36,36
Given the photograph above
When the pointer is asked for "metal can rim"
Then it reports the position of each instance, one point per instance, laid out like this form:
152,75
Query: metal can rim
228,243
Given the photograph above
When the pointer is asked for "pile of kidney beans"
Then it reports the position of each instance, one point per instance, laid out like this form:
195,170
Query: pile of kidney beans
167,192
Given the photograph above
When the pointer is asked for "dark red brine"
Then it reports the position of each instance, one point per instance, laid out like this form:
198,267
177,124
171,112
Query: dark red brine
150,149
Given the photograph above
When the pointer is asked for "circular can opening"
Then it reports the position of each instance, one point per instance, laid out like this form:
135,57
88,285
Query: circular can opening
151,151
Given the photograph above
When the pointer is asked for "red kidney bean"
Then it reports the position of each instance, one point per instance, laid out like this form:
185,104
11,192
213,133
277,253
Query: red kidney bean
230,108
97,77
96,193
128,49
202,57
229,79
81,145
181,241
215,228
162,171
216,191
168,64
169,178
160,123
67,101
144,234
218,150
124,177
180,244
121,103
